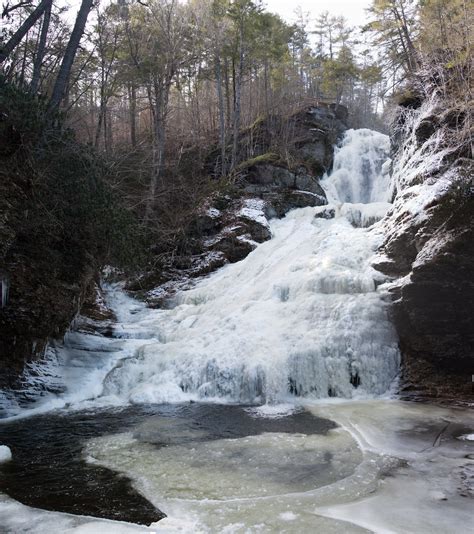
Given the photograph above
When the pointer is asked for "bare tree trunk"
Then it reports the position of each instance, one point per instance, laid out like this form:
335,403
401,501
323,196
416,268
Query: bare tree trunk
331,53
108,131
405,36
220,98
62,80
92,116
40,50
132,97
161,95
100,122
227,91
265,75
238,97
23,29
23,61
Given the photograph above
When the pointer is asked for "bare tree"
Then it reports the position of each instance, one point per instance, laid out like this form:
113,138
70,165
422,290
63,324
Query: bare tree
168,46
62,79
107,45
17,37
41,49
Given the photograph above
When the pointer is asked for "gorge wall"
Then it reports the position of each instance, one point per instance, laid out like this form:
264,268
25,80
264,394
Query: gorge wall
429,248
59,220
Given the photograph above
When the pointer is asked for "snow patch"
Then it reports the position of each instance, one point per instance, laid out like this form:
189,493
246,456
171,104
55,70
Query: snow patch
466,437
273,411
254,210
214,213
247,239
5,454
288,516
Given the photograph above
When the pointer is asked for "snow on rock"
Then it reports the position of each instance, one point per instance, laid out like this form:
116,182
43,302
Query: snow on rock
246,238
200,266
467,437
5,454
254,209
214,213
321,199
428,248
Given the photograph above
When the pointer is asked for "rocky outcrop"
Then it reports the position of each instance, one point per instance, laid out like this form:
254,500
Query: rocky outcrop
271,179
282,189
216,237
57,219
429,249
42,288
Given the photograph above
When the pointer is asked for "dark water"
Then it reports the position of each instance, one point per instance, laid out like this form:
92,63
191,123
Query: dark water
48,471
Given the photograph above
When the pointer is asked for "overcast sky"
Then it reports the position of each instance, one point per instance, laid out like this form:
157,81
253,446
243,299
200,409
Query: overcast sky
352,10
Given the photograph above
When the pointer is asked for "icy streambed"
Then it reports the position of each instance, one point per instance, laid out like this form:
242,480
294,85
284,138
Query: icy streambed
388,467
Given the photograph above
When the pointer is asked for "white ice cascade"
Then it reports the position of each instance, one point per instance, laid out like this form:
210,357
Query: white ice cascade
302,315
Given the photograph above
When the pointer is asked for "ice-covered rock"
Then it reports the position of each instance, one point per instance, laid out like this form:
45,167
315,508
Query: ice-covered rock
5,454
364,215
429,248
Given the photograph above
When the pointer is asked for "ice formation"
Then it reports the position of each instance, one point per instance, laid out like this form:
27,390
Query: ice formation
301,315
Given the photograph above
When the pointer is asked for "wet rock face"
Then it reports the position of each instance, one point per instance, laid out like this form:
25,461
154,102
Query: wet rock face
434,315
283,190
262,179
429,247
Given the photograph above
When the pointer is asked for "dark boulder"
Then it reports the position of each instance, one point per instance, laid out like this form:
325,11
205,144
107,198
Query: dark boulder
233,247
279,205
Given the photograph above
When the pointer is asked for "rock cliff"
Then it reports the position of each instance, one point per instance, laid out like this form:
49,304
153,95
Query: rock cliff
281,161
429,248
59,222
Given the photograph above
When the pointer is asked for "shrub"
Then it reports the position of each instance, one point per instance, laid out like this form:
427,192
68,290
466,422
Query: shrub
61,199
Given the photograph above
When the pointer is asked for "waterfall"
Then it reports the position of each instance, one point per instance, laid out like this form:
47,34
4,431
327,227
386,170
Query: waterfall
302,315
361,168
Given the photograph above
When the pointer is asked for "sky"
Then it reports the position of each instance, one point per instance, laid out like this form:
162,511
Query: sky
352,10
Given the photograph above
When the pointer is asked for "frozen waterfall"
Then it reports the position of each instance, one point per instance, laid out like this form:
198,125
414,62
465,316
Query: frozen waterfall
361,169
301,315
